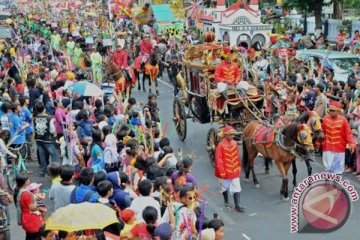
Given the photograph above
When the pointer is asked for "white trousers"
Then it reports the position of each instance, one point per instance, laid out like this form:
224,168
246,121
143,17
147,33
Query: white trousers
222,87
334,162
230,184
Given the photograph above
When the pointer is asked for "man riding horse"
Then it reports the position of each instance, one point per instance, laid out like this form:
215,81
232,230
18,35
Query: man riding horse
146,48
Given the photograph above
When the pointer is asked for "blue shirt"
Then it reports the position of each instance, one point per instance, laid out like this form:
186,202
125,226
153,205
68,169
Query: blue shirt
16,125
97,162
26,117
309,98
85,129
81,191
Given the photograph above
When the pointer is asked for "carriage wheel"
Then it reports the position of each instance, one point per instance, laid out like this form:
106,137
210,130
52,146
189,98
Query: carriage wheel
211,143
179,118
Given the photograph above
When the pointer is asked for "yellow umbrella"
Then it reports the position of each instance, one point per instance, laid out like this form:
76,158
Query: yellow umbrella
9,21
76,217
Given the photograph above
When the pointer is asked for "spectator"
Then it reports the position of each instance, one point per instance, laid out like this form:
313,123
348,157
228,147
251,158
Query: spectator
105,190
86,191
60,192
26,207
17,128
218,227
144,200
96,151
145,229
121,197
54,171
183,176
45,137
27,118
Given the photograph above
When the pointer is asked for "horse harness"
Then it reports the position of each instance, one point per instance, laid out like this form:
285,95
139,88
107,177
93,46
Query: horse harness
279,140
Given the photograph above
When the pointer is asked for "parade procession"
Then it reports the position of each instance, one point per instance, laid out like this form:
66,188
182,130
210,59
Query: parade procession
179,120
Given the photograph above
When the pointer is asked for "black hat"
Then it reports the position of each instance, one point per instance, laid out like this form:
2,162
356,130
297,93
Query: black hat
321,87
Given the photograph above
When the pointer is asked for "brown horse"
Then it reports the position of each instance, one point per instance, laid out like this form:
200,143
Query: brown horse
281,145
150,71
124,79
312,119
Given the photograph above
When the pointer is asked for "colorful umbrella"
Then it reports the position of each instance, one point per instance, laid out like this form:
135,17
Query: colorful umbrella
82,216
194,8
85,88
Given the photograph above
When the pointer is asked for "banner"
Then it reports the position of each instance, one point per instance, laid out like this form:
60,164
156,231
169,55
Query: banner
57,6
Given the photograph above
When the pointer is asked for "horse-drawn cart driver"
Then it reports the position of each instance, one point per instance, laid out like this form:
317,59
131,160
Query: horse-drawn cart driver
227,73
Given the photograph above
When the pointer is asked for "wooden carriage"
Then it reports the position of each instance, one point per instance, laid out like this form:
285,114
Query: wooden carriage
199,99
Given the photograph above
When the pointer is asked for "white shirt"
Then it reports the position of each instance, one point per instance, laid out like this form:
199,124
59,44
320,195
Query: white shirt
181,213
139,204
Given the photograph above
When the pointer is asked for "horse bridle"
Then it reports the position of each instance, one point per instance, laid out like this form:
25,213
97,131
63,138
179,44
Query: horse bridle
280,139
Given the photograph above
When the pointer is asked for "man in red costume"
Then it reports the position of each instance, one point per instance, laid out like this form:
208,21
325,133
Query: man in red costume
338,136
146,46
120,57
227,74
227,167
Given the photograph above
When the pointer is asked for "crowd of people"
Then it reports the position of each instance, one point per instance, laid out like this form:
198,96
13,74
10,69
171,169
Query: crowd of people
116,153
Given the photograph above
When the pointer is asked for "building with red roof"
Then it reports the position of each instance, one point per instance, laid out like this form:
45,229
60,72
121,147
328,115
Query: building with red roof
239,24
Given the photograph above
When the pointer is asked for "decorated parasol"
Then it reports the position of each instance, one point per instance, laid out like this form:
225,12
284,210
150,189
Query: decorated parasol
194,9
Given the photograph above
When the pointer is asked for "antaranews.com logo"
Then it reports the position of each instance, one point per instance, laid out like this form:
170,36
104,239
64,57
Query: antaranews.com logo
321,203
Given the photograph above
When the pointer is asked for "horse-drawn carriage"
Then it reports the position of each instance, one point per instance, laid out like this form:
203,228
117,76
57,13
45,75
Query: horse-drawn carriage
200,100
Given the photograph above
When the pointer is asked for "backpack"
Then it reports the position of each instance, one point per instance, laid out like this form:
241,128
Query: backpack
86,198
108,159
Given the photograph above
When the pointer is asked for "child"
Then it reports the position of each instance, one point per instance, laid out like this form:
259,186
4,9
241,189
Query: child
34,188
54,172
128,216
291,109
126,185
110,154
4,151
105,190
60,193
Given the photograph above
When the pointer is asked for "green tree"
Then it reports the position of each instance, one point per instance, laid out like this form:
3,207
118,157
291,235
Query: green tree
308,6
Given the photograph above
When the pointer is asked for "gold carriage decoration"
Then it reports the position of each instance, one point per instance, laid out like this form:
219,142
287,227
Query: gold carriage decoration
199,99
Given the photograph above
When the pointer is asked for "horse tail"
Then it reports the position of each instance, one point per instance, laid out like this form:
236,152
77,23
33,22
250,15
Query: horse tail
245,158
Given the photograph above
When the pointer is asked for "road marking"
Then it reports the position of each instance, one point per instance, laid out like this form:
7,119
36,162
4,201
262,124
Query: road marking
246,236
165,83
223,216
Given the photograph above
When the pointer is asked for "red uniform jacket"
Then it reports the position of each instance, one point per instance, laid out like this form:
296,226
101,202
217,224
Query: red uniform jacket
120,58
337,134
146,47
227,72
227,160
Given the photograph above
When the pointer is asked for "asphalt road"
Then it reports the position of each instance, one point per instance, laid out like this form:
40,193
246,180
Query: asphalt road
267,217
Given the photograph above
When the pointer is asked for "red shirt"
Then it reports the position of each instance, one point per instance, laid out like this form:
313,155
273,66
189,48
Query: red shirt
30,222
337,134
20,88
120,58
146,47
227,160
139,231
227,72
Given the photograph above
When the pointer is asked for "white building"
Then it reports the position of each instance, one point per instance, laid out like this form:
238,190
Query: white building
240,24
